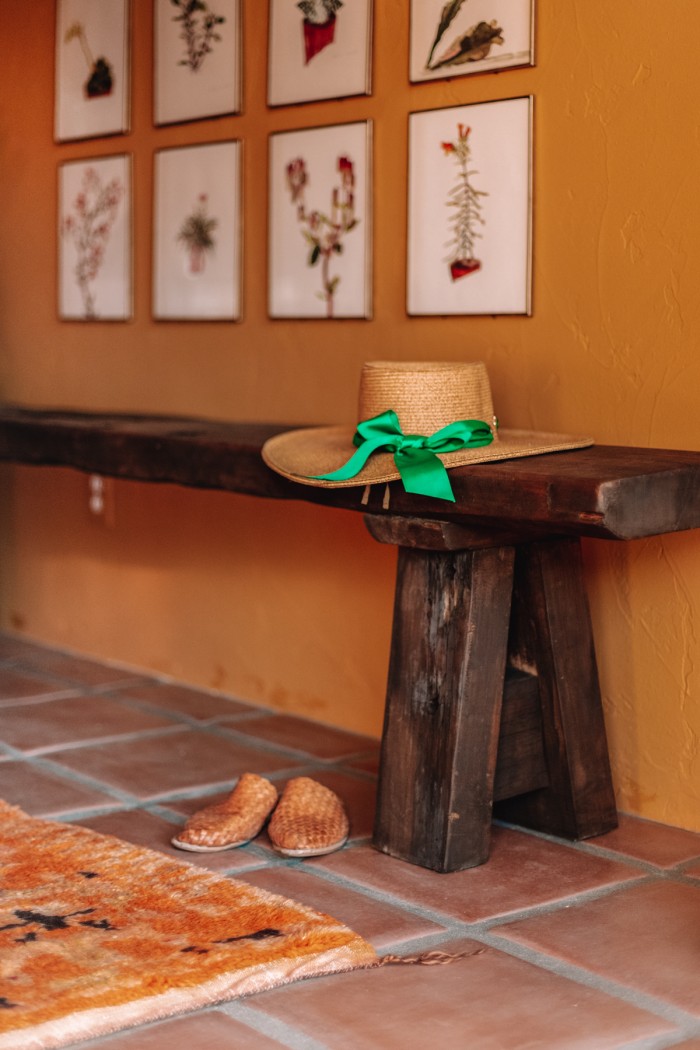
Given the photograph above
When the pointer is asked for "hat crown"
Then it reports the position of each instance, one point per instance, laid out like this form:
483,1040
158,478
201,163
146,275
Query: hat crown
426,396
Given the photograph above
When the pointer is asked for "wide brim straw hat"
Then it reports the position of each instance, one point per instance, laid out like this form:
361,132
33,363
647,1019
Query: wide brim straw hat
426,396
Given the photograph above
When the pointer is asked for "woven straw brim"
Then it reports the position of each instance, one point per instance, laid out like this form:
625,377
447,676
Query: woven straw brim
301,454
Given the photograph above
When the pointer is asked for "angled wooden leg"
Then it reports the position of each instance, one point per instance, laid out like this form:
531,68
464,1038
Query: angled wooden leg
443,706
551,637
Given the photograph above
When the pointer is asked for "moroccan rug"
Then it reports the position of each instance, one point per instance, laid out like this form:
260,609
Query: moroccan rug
97,935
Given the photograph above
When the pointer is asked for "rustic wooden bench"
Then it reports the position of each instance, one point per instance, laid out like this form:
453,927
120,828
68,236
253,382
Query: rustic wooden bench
493,693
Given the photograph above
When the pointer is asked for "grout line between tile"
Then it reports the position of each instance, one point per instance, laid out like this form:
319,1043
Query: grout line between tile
642,1000
265,1024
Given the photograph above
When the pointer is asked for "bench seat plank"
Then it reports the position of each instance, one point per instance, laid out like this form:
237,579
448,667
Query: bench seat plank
612,492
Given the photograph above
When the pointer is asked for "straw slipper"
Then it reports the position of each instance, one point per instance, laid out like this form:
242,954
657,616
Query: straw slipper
310,820
233,822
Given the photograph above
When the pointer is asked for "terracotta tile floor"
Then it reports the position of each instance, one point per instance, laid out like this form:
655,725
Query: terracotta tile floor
593,945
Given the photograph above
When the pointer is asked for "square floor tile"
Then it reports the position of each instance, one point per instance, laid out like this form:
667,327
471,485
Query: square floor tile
42,794
646,840
145,829
79,670
52,724
644,937
200,1031
312,738
522,871
383,925
488,1001
12,648
20,685
159,765
182,700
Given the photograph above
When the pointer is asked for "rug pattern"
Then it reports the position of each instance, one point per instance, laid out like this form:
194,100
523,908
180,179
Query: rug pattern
97,935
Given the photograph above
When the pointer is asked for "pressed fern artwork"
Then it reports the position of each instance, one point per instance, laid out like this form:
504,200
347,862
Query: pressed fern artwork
464,202
197,68
196,235
199,31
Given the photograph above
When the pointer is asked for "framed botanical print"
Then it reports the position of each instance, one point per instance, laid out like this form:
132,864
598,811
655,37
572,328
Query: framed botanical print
469,209
197,62
320,222
197,233
92,69
94,238
469,36
318,49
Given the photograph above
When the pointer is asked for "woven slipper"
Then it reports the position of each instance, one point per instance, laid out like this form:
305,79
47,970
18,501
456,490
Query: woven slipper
310,820
233,822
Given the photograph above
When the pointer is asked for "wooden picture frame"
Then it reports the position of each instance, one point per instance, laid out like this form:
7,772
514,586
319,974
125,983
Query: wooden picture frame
470,36
197,232
95,239
320,222
318,49
197,60
470,209
92,91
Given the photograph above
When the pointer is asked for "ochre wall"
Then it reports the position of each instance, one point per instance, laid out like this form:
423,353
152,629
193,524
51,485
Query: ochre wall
290,605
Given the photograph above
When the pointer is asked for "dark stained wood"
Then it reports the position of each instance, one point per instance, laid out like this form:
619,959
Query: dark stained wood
443,708
607,491
521,765
551,636
423,534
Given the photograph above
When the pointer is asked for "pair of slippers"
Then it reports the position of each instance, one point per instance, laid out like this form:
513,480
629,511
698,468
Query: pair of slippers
308,819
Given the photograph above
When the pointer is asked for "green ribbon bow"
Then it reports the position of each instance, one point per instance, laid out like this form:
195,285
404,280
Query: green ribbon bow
422,473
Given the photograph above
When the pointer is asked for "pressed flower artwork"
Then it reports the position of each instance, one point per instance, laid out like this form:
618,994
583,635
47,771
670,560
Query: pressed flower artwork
469,209
467,213
469,36
197,233
197,59
318,49
320,222
92,68
95,240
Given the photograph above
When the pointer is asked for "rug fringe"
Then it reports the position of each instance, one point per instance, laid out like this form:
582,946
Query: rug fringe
433,958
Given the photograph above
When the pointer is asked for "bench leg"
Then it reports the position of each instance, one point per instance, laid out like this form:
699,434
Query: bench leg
551,636
443,707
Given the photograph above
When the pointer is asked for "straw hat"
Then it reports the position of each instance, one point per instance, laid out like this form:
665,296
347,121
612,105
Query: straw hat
426,397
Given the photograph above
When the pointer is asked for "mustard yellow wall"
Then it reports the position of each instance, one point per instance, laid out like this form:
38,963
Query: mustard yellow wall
289,605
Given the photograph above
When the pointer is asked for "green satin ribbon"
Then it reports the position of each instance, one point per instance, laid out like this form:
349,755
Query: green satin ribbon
415,455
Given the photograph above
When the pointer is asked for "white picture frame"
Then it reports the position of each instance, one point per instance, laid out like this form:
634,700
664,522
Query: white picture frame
470,209
325,53
92,91
320,222
197,60
197,232
470,36
94,239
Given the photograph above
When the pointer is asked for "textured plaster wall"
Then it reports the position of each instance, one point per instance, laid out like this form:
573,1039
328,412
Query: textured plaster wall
288,605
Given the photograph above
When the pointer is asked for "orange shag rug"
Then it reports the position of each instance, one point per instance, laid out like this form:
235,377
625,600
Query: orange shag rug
97,935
